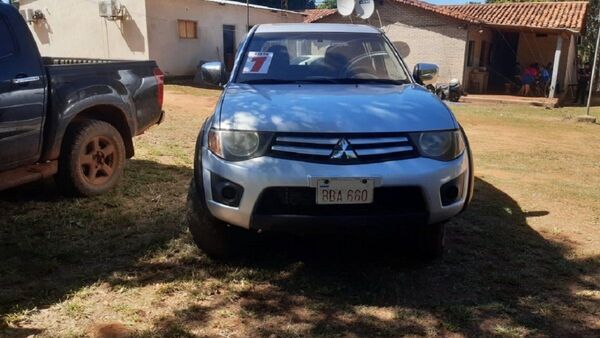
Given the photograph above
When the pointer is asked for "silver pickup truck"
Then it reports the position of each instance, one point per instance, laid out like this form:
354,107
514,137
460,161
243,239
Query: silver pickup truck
321,127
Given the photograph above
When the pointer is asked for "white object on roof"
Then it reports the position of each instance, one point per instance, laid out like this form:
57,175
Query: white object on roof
364,8
345,7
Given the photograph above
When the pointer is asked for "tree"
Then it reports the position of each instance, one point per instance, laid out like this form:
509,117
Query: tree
588,40
326,4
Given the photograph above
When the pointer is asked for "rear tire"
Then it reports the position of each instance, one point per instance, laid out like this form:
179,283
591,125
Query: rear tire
432,240
92,159
214,237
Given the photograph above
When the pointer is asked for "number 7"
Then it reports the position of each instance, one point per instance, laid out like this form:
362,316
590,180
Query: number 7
258,61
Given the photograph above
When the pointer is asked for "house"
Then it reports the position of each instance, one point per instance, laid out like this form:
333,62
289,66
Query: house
178,34
481,43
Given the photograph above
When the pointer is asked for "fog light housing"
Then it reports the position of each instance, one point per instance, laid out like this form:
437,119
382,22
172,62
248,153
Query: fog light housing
452,191
225,192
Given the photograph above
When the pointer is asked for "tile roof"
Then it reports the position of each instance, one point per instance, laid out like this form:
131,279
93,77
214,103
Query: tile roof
564,15
318,14
541,15
438,9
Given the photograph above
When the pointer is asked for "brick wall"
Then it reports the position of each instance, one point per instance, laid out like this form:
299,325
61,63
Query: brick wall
420,36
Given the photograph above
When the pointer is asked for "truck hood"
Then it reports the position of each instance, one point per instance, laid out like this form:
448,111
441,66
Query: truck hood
333,108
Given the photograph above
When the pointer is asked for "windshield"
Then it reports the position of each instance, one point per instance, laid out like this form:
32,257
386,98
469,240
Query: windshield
320,57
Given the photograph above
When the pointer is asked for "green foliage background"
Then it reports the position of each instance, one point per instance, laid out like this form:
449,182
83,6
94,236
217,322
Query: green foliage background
328,4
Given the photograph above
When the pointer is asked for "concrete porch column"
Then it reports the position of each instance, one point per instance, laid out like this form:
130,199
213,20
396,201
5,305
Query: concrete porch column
555,66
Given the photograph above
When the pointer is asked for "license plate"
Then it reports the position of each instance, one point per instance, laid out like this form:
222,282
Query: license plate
344,191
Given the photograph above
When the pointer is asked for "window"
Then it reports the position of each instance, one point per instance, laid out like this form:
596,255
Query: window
188,29
470,51
482,54
6,42
321,57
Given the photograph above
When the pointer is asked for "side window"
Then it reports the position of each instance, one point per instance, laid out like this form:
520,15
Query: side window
7,46
187,29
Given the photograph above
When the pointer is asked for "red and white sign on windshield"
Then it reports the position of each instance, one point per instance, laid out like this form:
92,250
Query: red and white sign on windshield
258,63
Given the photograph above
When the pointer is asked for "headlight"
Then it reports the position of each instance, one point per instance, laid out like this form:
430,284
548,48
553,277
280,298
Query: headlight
237,145
440,145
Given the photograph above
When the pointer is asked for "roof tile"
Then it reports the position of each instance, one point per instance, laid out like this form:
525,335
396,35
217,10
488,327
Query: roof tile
543,15
318,14
535,15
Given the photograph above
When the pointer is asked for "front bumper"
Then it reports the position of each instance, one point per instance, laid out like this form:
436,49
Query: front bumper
257,174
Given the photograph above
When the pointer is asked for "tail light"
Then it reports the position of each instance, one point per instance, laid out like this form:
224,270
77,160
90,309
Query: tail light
160,80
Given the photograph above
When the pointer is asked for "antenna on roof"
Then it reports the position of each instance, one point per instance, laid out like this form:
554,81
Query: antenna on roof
364,8
379,17
345,7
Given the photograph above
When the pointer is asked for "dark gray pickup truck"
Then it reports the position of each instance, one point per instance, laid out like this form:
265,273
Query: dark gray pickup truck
73,119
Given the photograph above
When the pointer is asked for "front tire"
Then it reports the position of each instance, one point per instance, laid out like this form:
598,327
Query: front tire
432,240
92,159
214,237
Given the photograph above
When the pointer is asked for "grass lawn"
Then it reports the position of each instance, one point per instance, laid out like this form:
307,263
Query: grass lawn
523,260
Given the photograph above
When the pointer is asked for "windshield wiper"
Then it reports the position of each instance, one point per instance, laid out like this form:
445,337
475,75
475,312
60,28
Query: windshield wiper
370,81
317,81
268,81
326,80
281,81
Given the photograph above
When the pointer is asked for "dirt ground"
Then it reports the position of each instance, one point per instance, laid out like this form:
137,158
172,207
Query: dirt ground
524,260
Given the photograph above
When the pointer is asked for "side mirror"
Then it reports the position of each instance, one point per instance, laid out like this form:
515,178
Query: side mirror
213,74
426,73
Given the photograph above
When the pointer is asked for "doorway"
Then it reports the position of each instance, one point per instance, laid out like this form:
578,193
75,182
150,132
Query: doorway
503,57
228,46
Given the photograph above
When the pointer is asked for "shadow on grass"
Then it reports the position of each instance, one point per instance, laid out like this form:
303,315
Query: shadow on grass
499,276
51,246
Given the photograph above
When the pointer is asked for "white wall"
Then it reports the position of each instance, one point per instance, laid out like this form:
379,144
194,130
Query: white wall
74,28
538,49
181,56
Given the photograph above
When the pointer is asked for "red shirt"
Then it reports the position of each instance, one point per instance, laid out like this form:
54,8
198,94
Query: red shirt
531,71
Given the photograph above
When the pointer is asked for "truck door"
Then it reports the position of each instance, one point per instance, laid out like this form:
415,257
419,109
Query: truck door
22,92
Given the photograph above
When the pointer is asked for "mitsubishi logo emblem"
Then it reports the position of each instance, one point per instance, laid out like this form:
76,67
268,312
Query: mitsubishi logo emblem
343,150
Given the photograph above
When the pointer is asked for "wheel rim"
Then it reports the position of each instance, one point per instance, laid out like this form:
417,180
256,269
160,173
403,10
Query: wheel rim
97,160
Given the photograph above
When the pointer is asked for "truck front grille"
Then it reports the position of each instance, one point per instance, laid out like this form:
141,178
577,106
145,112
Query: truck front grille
343,148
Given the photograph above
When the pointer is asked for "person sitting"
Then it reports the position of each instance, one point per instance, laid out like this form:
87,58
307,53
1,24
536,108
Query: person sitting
529,77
